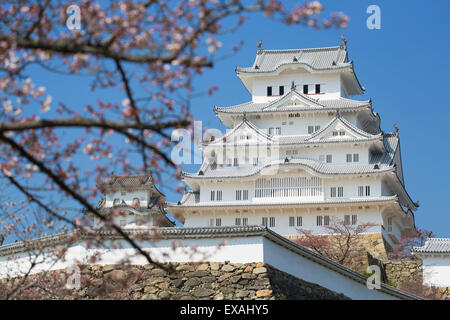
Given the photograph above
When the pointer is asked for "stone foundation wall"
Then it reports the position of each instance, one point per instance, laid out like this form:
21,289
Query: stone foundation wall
186,281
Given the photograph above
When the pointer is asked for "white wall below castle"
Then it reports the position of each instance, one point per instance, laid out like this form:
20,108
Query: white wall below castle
236,250
436,271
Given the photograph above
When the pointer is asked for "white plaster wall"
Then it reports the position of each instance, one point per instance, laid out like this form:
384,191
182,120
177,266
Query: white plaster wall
349,184
309,218
239,249
235,250
300,267
436,271
330,84
127,197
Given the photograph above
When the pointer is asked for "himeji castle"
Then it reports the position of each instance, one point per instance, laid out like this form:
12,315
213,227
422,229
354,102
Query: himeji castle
300,153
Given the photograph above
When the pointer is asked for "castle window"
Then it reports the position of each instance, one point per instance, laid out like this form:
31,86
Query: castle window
213,193
363,191
245,195
272,222
340,192
305,89
291,221
218,222
354,219
281,90
310,129
342,133
264,221
211,223
329,158
219,195
349,157
316,128
317,88
319,220
237,221
245,221
235,162
326,220
238,194
299,221
346,219
356,157
335,133
269,91
255,161
333,192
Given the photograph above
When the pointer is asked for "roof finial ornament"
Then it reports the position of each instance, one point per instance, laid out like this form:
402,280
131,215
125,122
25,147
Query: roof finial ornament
293,86
344,42
259,46
395,127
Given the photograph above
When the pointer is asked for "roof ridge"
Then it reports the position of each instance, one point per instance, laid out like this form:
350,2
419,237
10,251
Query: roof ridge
300,49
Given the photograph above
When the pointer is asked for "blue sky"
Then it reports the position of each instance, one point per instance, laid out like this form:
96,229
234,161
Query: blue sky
404,67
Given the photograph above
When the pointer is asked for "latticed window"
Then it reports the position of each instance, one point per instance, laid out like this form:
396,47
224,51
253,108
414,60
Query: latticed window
288,187
310,129
361,191
349,157
245,195
272,222
238,194
237,221
319,220
291,221
326,220
333,192
346,219
264,221
340,192
299,221
218,222
245,221
219,195
356,157
354,219
329,158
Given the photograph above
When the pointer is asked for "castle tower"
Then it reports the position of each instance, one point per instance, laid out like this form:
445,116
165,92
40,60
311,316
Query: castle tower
301,153
134,201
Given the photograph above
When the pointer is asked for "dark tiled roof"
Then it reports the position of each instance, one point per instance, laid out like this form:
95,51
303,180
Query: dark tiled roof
434,245
128,183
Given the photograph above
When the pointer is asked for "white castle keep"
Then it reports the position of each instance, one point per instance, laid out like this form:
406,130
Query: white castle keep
300,153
